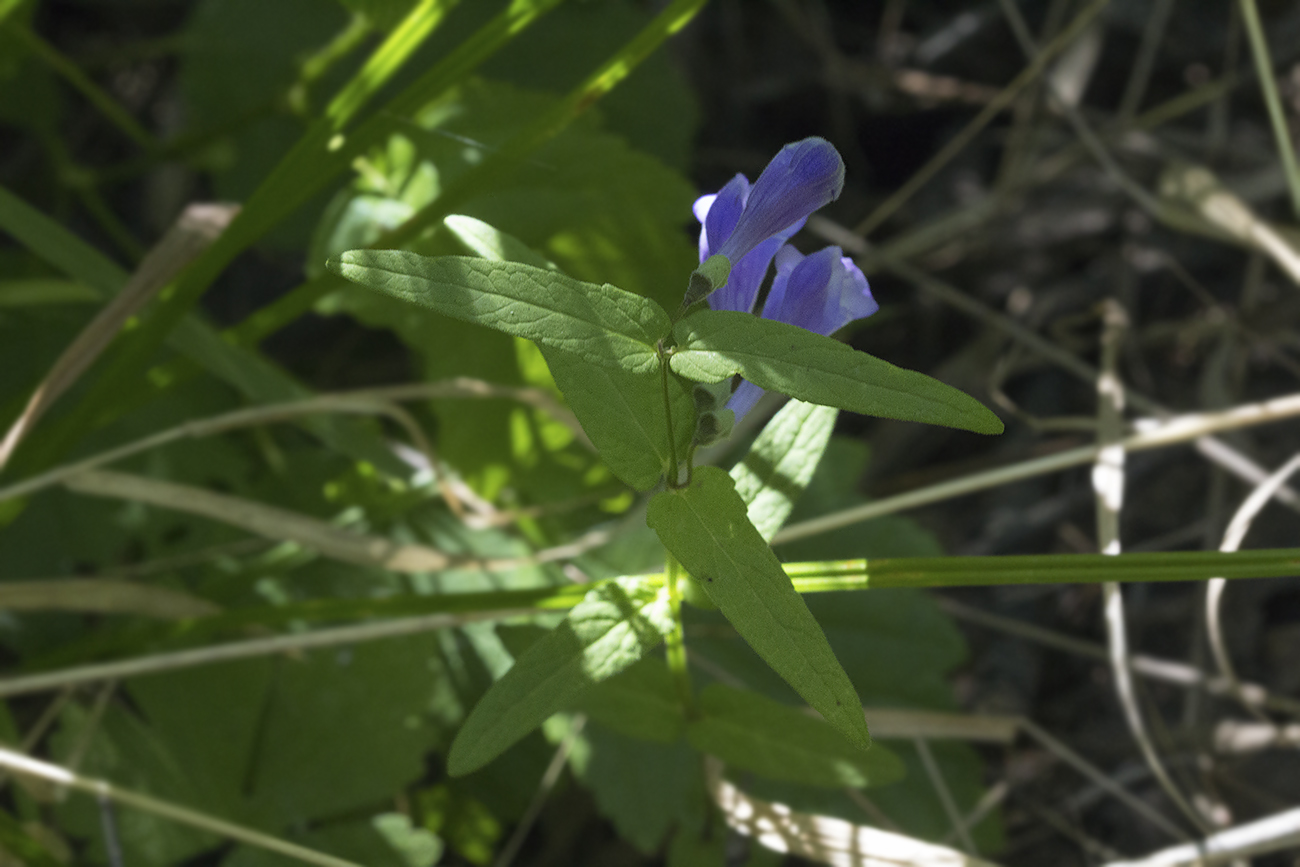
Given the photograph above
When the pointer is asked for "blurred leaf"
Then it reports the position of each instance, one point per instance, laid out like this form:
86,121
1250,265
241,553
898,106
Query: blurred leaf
705,527
417,846
644,788
483,239
781,462
467,826
690,848
242,56
716,344
275,742
613,627
639,703
753,733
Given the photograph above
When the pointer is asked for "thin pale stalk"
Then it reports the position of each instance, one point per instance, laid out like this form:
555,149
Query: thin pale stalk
1270,834
1108,487
1232,539
1152,434
28,767
941,789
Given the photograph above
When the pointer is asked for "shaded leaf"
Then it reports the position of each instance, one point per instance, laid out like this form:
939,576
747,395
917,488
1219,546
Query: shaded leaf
640,703
750,731
644,788
615,625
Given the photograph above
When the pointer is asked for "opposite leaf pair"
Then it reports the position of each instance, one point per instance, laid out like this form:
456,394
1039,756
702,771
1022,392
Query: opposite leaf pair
627,368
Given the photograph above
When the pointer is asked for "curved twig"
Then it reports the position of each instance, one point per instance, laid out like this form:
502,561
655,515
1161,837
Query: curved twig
1232,539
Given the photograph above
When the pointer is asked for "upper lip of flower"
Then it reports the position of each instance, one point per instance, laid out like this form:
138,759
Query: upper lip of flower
749,225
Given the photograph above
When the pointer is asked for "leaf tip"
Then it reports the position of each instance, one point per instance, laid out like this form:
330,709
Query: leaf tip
989,423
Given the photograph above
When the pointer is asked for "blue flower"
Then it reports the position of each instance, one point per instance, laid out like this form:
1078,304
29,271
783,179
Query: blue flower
750,226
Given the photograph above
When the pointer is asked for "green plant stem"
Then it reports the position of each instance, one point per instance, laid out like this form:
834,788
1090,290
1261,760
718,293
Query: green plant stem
1041,569
1267,85
671,474
675,641
344,43
409,35
413,613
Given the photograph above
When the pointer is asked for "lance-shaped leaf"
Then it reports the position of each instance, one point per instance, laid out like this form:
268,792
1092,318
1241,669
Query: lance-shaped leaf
715,344
781,462
616,624
750,731
705,527
602,325
623,414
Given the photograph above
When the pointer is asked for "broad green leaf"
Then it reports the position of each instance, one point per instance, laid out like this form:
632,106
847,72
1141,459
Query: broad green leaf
623,414
644,789
285,741
640,703
706,848
715,344
751,732
603,325
614,626
781,462
705,527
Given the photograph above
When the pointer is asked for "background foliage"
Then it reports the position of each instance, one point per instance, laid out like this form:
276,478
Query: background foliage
114,116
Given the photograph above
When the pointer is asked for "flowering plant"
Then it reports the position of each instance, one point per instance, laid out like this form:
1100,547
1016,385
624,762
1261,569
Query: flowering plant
822,292
641,383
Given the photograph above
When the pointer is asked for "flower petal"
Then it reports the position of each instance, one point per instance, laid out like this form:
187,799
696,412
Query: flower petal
822,292
746,278
803,177
718,215
744,398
